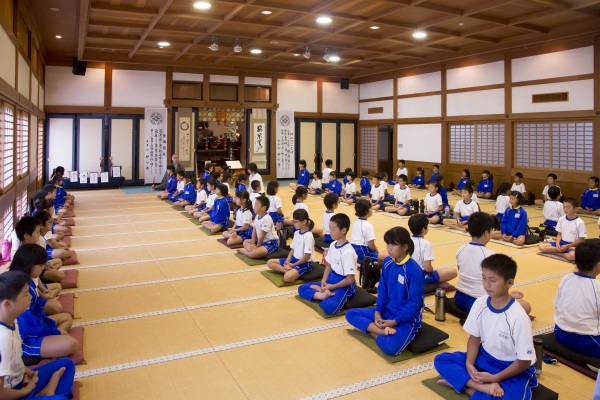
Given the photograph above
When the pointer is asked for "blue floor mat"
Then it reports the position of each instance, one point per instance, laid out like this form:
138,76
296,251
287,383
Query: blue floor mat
137,189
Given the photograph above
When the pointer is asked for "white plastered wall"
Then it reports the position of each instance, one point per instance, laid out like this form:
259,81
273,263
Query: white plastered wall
297,95
138,88
375,90
65,89
420,107
479,102
23,80
340,101
420,142
7,61
60,143
422,83
475,75
388,110
581,97
577,61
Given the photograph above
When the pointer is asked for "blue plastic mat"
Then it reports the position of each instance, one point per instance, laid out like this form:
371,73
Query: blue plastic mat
137,189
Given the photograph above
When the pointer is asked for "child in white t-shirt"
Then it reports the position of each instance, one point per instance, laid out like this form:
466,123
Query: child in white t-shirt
327,173
571,233
553,209
363,233
463,209
518,185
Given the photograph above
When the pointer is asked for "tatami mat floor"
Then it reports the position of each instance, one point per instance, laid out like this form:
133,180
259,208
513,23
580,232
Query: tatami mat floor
171,313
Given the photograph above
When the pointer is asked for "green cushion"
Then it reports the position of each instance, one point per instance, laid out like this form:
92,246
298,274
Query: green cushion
178,208
315,275
223,241
209,232
539,393
185,214
169,201
195,221
250,261
315,306
361,299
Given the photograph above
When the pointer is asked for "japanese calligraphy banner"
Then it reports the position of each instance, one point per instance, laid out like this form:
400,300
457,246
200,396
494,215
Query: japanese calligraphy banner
185,139
259,129
285,145
155,144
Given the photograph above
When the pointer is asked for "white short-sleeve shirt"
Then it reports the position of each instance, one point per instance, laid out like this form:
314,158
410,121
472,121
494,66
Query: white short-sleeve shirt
274,203
350,188
423,250
518,187
342,259
502,203
11,363
303,243
465,209
577,303
265,224
402,195
255,177
402,171
377,192
180,185
300,206
326,218
253,196
468,259
326,175
316,184
433,202
384,185
545,191
243,216
201,196
553,210
505,334
362,232
475,198
571,229
211,200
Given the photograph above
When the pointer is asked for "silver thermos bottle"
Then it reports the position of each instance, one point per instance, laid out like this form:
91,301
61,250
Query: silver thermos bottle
440,304
538,345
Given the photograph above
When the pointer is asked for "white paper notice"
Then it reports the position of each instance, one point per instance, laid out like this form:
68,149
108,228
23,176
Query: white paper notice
74,176
104,177
93,177
116,172
83,177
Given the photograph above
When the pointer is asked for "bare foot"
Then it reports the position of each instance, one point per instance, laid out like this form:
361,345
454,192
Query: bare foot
241,251
50,388
443,382
496,390
315,287
517,295
389,331
328,293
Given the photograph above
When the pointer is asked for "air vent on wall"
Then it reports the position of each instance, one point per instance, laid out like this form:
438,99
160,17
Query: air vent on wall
550,97
375,110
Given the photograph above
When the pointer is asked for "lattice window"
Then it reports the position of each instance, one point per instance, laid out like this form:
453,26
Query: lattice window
368,143
462,143
7,224
40,150
556,145
23,144
7,126
478,143
21,204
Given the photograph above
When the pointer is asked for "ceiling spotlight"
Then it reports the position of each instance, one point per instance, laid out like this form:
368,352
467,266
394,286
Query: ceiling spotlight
266,12
214,46
324,20
334,58
54,9
202,5
163,44
58,37
238,47
307,52
461,24
419,35
296,54
326,55
374,27
256,51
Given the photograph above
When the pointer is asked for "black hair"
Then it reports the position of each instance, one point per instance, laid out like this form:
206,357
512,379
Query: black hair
489,174
479,223
553,192
587,255
364,173
330,200
439,178
216,175
303,163
43,215
328,162
181,173
504,187
245,197
468,188
12,283
417,223
519,197
467,172
334,173
57,171
351,175
519,175
553,176
572,201
212,182
49,188
301,191
223,189
595,179
399,236
26,226
437,185
264,201
419,169
302,215
402,161
403,177
319,174
500,264
378,176
171,167
272,187
226,176
242,177
202,182
27,256
342,221
38,200
255,184
207,167
470,182
436,166
383,174
56,178
362,207
348,170
252,168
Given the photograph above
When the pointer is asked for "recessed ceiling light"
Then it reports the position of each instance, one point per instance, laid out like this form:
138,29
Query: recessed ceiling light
58,37
274,42
202,5
374,27
461,23
164,44
54,9
324,20
334,58
256,51
419,35
296,55
266,12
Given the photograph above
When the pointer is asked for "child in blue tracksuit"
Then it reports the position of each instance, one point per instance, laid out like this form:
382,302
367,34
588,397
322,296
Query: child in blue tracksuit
436,172
338,283
485,185
365,184
171,184
443,192
334,185
189,194
466,175
176,195
418,182
396,319
514,222
499,359
303,176
219,216
590,199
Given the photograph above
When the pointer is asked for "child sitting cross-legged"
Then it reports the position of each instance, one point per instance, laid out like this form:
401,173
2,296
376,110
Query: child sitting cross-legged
376,193
334,186
189,194
500,355
264,239
204,215
299,260
42,336
349,191
303,176
338,283
49,381
577,303
363,233
171,184
553,209
514,222
219,216
331,203
243,218
275,204
433,203
402,196
464,207
396,318
571,233
423,254
316,187
56,250
201,197
176,195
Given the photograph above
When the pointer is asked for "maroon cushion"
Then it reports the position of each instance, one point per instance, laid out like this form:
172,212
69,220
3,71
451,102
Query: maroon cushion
71,260
75,390
69,214
69,221
66,240
70,280
67,300
77,334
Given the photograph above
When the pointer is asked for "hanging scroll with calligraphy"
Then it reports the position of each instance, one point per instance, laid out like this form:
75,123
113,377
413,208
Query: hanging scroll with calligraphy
155,144
285,145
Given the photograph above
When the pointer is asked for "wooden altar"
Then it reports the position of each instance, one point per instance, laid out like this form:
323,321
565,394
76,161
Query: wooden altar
216,156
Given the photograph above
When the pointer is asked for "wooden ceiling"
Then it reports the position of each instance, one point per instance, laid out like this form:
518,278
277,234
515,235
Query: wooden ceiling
128,31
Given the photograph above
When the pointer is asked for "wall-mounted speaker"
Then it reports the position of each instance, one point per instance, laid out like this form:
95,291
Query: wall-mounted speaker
345,83
79,67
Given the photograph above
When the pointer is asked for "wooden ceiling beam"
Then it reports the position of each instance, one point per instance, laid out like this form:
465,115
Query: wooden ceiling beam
578,5
120,9
117,24
534,16
109,36
154,21
485,6
82,26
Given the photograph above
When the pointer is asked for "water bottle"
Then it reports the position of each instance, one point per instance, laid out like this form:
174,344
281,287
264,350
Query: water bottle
542,231
421,206
538,345
447,211
325,251
440,304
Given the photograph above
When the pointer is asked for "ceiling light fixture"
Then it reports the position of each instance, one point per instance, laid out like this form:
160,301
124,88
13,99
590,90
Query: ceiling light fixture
334,59
238,47
214,46
256,51
324,20
307,53
202,5
326,55
58,37
461,24
163,44
266,12
374,27
54,9
419,35
296,54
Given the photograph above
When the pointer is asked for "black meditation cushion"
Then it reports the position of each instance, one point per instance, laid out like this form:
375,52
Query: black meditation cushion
322,244
280,253
430,288
316,274
554,346
454,310
532,239
429,337
361,299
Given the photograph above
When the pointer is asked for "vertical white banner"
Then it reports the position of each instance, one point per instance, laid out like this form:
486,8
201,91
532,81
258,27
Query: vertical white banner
259,128
285,145
155,144
185,139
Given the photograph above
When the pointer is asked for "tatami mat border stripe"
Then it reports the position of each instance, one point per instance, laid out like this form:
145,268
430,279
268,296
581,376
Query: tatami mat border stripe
541,279
129,233
181,278
208,350
126,215
126,246
187,308
130,223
